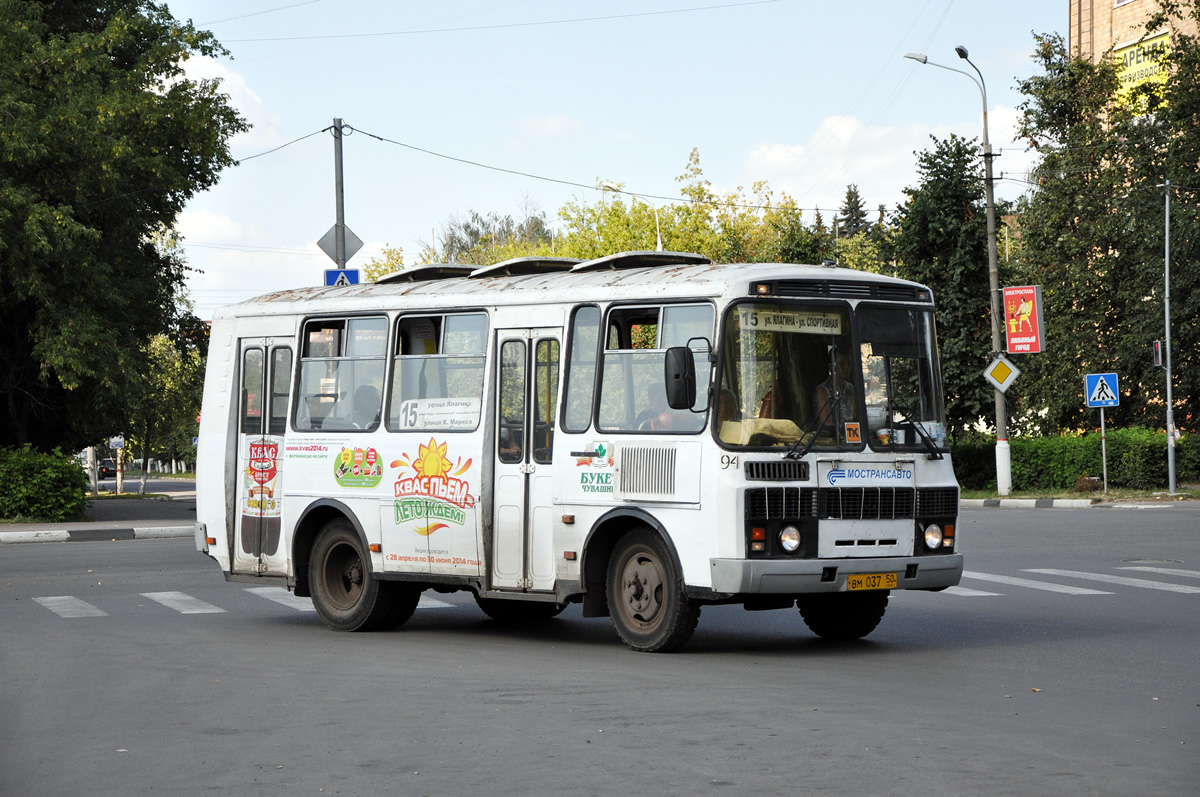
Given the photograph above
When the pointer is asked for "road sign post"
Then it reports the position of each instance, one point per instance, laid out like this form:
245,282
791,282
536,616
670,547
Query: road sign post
1100,390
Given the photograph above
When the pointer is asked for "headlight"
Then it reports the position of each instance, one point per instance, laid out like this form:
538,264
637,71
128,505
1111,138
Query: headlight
789,538
933,536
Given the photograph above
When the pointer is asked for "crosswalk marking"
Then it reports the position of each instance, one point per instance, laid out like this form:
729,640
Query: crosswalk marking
970,593
183,603
70,606
281,595
1166,571
1122,580
1025,582
433,603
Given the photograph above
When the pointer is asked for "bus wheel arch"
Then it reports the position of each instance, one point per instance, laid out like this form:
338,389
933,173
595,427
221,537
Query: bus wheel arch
598,549
315,518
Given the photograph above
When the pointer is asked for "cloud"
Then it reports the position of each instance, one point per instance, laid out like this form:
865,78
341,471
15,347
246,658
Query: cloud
881,161
265,131
548,126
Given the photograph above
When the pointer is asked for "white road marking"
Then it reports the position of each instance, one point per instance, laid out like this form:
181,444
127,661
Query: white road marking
433,603
1044,585
1125,582
281,595
969,593
70,606
1166,571
183,603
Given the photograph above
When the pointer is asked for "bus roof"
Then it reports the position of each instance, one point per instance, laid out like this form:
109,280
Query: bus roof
654,276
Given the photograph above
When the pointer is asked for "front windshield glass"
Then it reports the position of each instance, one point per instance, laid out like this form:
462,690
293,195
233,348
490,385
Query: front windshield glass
788,375
898,350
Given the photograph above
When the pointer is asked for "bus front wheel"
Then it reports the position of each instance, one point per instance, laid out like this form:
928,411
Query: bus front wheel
646,599
841,615
345,593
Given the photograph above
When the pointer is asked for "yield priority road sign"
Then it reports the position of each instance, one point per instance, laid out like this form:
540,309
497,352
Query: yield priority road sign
1100,390
1001,373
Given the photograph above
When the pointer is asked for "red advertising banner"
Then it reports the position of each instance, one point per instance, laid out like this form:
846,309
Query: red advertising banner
1023,319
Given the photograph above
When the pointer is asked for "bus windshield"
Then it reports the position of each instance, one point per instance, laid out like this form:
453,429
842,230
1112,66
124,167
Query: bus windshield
792,373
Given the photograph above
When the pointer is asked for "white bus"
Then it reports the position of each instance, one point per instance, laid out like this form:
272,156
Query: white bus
644,434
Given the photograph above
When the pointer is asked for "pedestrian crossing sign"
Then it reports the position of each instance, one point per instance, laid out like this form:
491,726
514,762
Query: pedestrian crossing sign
1100,390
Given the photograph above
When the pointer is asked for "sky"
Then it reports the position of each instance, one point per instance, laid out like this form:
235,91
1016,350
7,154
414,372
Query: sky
510,105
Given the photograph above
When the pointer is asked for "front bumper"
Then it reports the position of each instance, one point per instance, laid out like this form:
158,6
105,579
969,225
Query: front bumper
794,577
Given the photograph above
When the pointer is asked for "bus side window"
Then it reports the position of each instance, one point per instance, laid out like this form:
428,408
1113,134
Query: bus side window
581,369
281,383
252,391
341,359
545,399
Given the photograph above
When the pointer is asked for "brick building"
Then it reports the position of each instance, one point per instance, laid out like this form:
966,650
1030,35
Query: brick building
1098,25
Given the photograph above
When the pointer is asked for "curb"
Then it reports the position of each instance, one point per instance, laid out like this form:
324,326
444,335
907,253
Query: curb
95,535
1027,503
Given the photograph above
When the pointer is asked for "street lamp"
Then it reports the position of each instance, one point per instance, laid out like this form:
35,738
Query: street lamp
608,185
1003,455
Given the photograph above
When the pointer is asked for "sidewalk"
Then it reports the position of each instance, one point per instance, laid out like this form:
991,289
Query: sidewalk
116,519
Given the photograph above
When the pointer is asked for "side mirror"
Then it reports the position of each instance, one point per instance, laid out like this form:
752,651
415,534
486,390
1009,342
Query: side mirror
680,373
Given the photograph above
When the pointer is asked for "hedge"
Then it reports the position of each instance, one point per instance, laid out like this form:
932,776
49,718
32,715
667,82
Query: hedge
1137,459
39,486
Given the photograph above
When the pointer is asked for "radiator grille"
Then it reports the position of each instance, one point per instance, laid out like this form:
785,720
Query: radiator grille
850,289
867,503
783,470
774,503
937,501
647,470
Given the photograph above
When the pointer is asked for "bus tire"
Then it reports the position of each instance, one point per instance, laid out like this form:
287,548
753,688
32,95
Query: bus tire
345,594
842,615
646,600
517,612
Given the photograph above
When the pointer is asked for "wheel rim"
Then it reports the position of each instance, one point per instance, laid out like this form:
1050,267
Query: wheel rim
343,576
642,590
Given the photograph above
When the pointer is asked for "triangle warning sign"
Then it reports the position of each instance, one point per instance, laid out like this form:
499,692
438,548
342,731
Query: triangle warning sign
1102,392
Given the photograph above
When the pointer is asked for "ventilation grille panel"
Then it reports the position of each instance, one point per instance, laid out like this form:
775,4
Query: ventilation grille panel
647,471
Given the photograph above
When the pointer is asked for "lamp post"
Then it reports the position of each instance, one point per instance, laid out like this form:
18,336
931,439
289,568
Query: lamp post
1003,454
608,185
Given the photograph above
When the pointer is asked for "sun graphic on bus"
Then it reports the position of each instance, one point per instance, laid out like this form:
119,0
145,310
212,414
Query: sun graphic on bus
432,461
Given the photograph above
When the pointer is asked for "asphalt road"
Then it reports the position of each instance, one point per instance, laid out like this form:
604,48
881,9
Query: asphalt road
134,668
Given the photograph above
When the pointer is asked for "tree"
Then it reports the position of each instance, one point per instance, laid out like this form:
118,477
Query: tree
1093,231
166,399
941,241
104,141
854,214
390,260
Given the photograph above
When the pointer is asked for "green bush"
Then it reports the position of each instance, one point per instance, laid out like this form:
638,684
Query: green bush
41,486
1137,459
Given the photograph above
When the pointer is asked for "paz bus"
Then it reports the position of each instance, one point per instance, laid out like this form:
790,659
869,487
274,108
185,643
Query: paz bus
644,434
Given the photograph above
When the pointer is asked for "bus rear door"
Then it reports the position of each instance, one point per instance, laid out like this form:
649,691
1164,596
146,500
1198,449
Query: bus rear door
266,377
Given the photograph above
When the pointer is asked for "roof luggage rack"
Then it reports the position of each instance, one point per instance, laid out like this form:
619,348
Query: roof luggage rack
520,266
643,259
426,273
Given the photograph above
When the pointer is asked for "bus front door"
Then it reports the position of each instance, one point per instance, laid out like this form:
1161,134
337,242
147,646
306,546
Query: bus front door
526,407
266,377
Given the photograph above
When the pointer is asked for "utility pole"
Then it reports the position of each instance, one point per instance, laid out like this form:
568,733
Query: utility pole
1167,311
340,224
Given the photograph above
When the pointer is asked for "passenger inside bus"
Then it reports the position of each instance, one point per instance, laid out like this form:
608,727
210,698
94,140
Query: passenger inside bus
366,408
835,398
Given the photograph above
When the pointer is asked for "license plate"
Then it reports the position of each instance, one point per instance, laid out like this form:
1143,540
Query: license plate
857,581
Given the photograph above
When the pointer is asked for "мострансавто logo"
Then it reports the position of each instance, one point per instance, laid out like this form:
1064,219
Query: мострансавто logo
868,474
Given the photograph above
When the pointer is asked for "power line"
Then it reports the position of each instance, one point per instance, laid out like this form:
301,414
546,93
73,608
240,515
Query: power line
259,13
281,146
502,26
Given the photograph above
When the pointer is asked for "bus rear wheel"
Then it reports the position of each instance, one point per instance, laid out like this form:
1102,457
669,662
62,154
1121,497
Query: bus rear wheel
345,594
842,615
646,600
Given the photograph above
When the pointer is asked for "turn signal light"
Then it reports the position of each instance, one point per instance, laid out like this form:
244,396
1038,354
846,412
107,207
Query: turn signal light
375,547
758,534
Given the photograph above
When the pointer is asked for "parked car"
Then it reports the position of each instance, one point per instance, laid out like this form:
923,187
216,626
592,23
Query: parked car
108,469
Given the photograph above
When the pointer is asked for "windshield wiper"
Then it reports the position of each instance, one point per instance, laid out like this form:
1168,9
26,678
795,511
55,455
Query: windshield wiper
906,414
810,431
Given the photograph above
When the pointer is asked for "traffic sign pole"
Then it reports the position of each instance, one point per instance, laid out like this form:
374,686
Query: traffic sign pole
1104,450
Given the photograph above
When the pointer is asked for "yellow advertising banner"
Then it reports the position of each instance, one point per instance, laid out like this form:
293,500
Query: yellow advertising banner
1141,63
